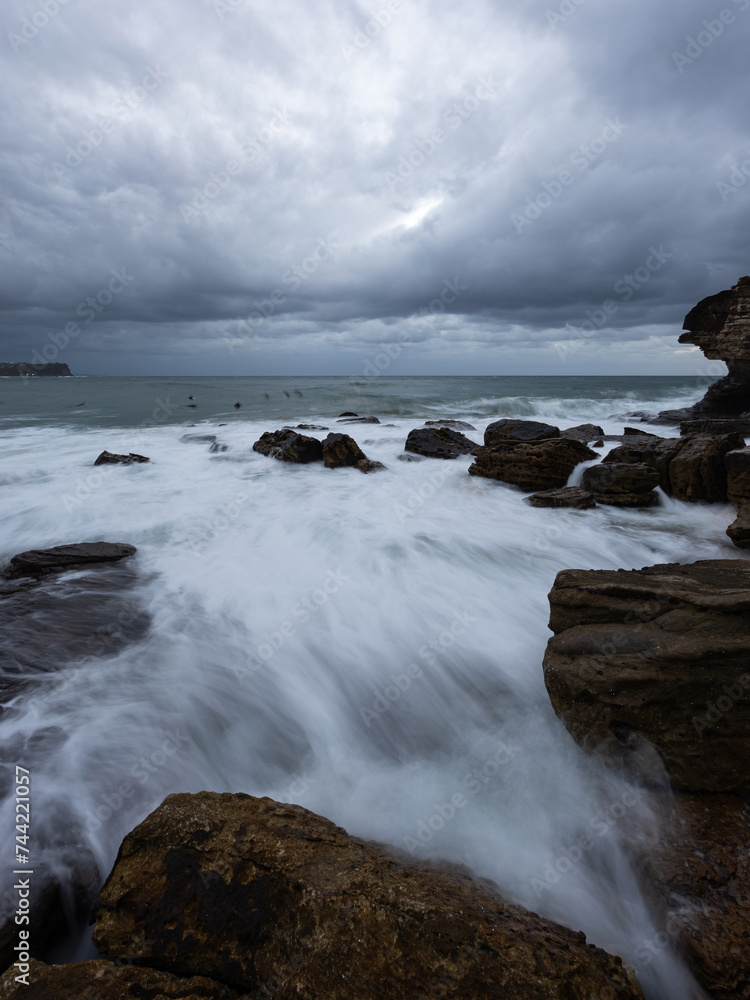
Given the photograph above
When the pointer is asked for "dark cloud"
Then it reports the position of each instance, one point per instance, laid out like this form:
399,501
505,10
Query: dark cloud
284,188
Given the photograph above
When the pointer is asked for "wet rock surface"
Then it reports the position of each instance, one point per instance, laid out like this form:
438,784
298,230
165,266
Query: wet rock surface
620,484
568,496
739,529
340,451
531,465
584,433
101,980
457,425
520,430
109,458
697,874
271,899
358,420
288,446
657,658
439,442
40,562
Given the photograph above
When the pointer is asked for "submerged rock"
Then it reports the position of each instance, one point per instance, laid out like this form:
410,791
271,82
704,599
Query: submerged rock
657,658
288,446
619,484
457,425
358,420
109,458
519,430
532,465
100,980
39,562
439,442
568,496
273,900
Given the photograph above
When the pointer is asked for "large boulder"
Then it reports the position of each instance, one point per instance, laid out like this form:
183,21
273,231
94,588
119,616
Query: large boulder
689,468
734,425
657,658
697,873
532,465
340,451
519,430
40,562
100,980
737,464
439,442
289,446
720,326
621,485
273,900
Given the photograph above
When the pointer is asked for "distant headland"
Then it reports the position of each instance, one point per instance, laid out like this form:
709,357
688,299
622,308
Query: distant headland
21,368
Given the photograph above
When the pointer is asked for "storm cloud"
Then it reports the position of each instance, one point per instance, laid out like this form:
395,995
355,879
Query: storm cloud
248,187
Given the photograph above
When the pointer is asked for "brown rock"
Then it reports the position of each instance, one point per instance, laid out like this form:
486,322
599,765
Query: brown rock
568,496
658,657
735,425
274,900
358,420
532,465
519,430
739,529
108,458
457,425
583,433
698,873
340,450
620,484
690,468
720,326
737,464
288,446
439,442
100,980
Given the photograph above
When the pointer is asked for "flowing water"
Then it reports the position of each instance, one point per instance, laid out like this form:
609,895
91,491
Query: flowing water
369,647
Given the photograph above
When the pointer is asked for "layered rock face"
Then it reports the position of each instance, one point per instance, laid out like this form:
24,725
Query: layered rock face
272,900
720,326
657,658
439,442
620,484
545,464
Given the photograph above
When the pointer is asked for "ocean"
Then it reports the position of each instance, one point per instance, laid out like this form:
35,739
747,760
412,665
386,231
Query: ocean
368,646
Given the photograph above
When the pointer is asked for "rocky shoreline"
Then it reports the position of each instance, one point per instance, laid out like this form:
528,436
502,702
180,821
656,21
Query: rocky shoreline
231,896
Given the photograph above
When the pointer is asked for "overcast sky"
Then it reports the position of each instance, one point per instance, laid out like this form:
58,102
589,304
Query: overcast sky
261,186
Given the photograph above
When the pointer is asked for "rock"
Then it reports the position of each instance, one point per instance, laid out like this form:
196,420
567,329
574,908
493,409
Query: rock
457,425
582,432
657,657
519,430
406,457
737,464
568,496
697,874
439,442
309,427
532,465
666,417
218,446
100,980
39,562
619,484
720,326
288,446
689,468
108,458
639,432
598,444
739,529
359,420
348,413
738,425
198,438
273,900
21,368
340,450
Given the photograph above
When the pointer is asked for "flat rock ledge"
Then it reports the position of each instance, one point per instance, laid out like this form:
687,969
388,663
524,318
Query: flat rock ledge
651,669
273,900
40,562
